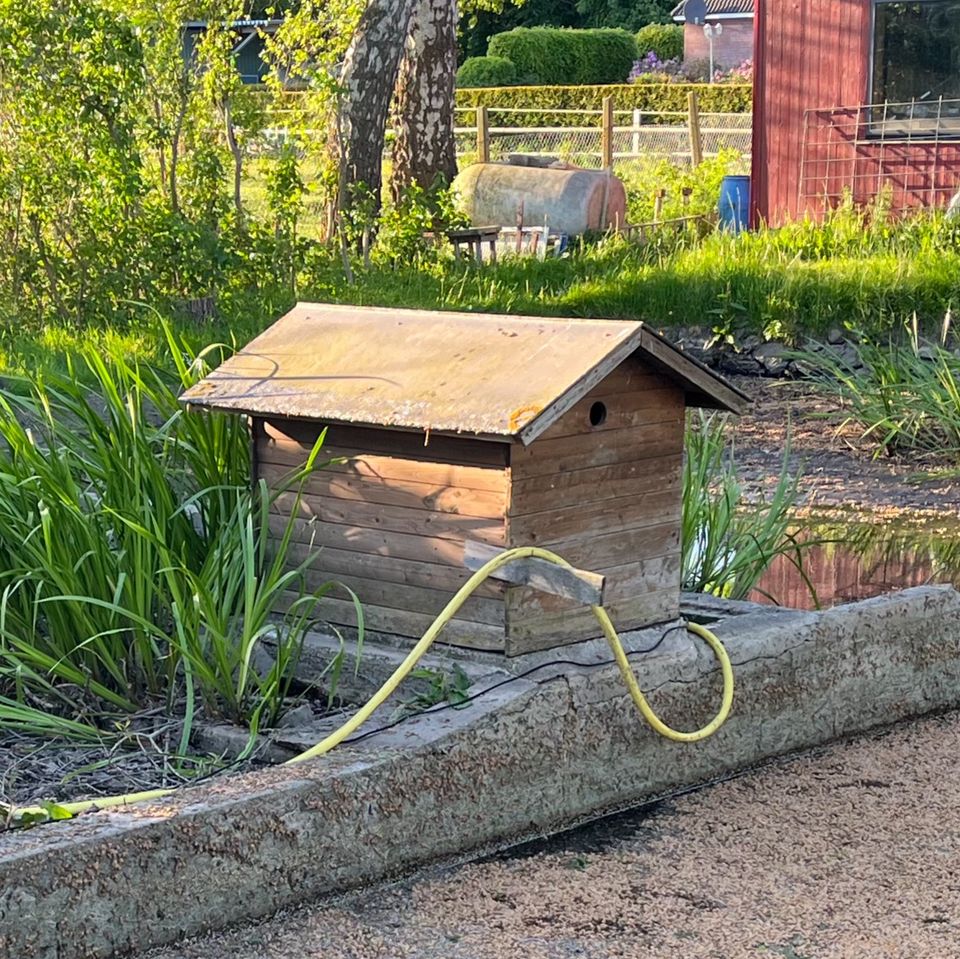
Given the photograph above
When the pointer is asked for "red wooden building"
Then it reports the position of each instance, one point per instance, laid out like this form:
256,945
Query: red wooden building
854,96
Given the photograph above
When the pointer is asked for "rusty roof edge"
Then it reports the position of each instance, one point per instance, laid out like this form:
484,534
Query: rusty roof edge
570,397
697,375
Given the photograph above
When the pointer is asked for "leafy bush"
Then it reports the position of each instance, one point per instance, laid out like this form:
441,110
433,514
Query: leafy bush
651,69
742,73
663,39
486,72
117,165
649,97
644,178
555,56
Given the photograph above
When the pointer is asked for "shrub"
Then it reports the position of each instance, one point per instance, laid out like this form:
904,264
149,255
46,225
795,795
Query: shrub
555,56
663,39
651,69
487,72
649,97
743,73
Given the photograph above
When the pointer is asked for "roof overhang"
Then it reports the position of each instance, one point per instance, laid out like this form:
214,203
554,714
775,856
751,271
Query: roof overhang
501,378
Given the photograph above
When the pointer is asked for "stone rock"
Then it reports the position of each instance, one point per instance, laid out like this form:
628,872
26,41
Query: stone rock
773,358
836,336
739,364
298,716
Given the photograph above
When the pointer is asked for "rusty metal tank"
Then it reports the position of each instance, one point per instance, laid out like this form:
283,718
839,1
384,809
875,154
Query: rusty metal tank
571,200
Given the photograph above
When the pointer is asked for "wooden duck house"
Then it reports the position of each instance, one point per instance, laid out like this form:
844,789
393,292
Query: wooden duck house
451,430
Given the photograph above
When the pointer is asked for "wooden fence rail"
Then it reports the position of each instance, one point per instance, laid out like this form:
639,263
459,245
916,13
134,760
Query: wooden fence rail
684,137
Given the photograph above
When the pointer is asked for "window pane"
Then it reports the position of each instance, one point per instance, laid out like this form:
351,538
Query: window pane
917,53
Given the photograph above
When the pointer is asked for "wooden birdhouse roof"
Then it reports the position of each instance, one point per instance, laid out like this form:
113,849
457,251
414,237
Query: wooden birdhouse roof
502,377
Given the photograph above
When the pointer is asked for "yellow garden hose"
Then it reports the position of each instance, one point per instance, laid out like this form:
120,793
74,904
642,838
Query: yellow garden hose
66,810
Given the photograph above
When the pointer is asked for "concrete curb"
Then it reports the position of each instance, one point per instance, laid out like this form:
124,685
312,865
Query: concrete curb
538,754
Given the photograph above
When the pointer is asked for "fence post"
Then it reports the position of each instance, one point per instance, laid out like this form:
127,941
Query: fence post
606,134
637,120
693,125
483,136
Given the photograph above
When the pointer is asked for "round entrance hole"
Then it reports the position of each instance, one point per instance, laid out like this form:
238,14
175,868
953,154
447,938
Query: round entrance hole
598,414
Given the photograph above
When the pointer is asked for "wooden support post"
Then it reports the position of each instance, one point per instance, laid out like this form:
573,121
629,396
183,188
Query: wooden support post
483,136
606,134
658,205
693,126
577,585
637,121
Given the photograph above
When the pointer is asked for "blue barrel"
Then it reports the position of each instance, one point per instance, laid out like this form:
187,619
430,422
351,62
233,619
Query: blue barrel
734,203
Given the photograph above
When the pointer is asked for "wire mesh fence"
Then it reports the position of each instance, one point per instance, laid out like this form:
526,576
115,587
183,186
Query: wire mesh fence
636,135
908,152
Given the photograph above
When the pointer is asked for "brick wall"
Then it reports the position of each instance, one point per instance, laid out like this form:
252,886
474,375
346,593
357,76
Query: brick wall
730,49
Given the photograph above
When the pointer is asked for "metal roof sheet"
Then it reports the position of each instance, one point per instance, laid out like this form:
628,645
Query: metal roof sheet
718,8
495,376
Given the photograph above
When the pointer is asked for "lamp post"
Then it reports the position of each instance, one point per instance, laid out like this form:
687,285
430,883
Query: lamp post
711,32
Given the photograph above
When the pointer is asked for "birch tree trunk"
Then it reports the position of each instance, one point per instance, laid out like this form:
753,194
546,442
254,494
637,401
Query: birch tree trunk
424,151
368,77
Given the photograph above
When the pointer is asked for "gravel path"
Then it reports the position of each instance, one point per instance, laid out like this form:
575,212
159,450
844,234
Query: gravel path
853,851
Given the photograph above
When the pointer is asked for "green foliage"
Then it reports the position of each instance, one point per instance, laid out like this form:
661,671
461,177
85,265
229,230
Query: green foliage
134,562
727,542
121,160
628,14
904,396
663,39
555,56
649,97
452,688
405,229
479,21
486,72
646,177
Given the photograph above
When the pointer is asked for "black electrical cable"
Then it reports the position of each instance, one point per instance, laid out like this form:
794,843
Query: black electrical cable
440,707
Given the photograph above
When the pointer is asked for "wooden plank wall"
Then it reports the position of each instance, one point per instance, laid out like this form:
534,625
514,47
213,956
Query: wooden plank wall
606,498
811,55
389,522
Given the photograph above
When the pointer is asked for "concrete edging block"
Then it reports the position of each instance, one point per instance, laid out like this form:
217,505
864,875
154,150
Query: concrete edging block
535,755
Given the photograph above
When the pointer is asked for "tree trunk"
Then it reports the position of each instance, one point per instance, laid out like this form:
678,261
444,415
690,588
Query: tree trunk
368,77
424,151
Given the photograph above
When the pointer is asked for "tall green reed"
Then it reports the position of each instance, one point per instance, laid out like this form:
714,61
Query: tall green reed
727,541
135,569
905,396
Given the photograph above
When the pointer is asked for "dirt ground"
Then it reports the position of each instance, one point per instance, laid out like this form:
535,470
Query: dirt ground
839,469
852,852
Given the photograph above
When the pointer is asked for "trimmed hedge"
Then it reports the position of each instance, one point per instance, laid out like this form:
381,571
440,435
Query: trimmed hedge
486,72
651,97
554,55
664,39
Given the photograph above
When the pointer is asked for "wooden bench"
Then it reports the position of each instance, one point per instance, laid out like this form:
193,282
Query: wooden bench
472,239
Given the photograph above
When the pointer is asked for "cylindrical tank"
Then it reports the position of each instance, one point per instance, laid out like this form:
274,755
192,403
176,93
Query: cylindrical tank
571,201
734,207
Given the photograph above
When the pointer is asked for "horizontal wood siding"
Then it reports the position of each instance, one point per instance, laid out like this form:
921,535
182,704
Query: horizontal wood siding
607,499
386,516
